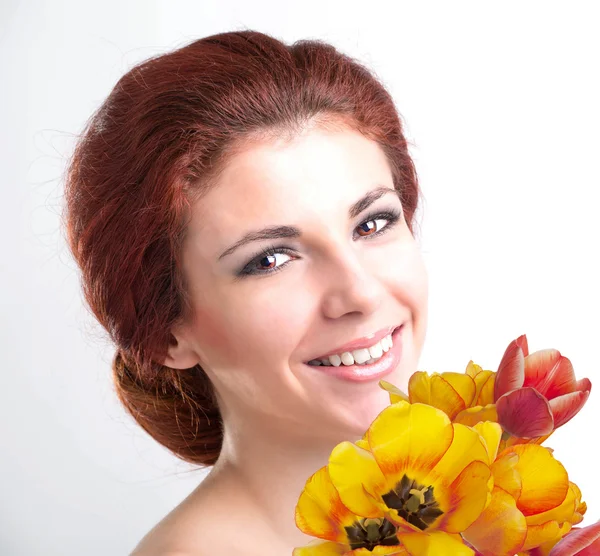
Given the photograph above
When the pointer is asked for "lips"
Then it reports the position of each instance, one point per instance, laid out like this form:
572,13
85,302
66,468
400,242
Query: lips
360,343
382,367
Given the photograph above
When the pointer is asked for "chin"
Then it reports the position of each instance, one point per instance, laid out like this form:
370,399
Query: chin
358,415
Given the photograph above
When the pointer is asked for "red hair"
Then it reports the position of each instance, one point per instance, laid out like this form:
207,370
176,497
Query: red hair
150,151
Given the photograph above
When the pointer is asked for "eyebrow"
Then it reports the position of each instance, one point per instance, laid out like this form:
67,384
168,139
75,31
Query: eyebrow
277,232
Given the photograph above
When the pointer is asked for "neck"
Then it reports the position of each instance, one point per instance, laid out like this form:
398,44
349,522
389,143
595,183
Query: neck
268,466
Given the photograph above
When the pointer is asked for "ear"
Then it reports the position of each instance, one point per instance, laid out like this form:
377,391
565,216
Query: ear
181,354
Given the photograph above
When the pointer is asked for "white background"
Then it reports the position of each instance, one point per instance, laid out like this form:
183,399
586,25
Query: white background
501,104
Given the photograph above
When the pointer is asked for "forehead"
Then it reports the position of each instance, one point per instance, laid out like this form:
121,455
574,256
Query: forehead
282,179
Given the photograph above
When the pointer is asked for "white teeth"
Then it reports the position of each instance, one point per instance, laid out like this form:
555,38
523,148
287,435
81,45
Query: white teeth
386,343
334,360
376,351
359,356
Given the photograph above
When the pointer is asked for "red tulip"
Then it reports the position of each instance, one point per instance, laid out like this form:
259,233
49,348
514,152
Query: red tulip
536,393
579,542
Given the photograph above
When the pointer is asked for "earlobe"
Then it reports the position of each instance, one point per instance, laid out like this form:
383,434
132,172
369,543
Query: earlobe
180,354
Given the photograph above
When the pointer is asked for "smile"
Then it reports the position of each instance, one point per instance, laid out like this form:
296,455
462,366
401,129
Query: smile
367,366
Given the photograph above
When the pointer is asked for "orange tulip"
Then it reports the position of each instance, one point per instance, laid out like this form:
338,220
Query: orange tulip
536,393
467,398
533,504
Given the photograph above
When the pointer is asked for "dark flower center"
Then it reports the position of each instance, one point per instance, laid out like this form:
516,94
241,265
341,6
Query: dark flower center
414,502
369,533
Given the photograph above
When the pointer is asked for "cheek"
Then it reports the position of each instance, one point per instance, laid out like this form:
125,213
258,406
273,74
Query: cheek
213,333
405,269
408,282
418,284
421,280
271,320
247,332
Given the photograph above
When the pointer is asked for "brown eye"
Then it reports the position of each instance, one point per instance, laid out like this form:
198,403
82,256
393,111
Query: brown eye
368,228
269,259
268,265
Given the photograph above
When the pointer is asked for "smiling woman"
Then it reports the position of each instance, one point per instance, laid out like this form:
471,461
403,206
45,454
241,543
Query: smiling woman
239,208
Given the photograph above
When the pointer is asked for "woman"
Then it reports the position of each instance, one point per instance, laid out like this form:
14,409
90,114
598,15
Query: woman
242,213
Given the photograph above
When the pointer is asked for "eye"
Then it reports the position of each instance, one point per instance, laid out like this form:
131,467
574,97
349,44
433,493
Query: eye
371,228
269,256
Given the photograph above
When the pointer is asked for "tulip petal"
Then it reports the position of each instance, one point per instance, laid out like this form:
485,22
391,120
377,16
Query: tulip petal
522,343
434,390
467,497
525,413
565,407
467,446
463,385
473,415
394,392
561,513
358,479
485,382
584,542
515,440
550,373
395,550
363,443
583,385
491,434
320,511
501,527
419,387
578,516
591,550
544,364
511,371
321,548
545,482
542,550
325,548
434,544
540,534
581,506
473,369
506,476
410,437
445,397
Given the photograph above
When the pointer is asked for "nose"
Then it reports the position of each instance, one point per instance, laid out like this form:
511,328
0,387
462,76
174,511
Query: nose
350,285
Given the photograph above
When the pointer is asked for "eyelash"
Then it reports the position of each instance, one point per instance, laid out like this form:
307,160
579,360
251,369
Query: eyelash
392,215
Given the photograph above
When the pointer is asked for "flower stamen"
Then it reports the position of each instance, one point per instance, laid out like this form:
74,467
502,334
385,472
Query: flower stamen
414,502
371,532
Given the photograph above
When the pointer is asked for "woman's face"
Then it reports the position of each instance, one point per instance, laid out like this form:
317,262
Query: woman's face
260,318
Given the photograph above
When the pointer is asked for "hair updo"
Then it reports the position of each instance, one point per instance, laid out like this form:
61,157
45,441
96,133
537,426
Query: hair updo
150,151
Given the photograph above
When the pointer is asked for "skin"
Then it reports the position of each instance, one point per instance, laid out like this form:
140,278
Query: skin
253,335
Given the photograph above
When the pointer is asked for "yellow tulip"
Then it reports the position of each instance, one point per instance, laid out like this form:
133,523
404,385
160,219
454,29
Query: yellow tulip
410,486
420,470
466,398
484,384
533,504
321,513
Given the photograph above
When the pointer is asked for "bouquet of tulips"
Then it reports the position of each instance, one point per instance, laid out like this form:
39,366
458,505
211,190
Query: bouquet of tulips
457,467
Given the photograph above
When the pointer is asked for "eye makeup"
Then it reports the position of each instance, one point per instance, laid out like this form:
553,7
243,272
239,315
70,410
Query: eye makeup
392,215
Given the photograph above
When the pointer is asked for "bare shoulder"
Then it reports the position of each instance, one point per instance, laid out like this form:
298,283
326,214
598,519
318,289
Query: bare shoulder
182,532
198,526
